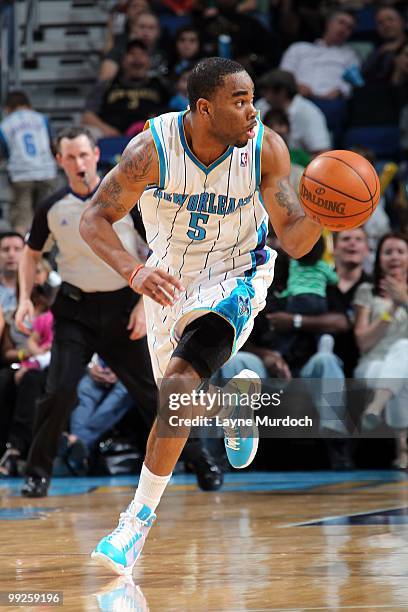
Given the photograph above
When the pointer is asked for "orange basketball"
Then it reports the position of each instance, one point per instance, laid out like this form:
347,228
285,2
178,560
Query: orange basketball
339,189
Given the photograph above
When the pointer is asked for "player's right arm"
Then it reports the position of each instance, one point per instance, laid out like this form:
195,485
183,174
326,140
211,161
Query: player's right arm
116,196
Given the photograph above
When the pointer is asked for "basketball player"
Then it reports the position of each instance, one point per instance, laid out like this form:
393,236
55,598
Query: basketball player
203,179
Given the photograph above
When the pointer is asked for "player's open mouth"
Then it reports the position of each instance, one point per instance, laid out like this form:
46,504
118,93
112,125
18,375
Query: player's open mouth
251,131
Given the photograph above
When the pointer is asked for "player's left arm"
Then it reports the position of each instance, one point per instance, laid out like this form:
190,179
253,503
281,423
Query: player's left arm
296,233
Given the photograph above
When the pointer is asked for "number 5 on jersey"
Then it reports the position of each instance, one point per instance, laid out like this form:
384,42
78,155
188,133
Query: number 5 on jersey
197,232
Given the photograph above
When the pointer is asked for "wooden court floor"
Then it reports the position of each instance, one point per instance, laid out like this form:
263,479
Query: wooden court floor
266,541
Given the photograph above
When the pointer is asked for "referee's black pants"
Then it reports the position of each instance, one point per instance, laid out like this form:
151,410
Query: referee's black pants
87,323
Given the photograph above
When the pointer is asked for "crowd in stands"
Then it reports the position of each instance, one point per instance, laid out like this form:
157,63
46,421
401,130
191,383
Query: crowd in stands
328,74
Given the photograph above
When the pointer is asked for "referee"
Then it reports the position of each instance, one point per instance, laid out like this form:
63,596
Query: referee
95,311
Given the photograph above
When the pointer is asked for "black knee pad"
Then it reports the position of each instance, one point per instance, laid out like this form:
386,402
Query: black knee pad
206,344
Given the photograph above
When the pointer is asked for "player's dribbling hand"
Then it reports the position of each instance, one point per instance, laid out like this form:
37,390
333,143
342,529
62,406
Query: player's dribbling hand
24,316
157,285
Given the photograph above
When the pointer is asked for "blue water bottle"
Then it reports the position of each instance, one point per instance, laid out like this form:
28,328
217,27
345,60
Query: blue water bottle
224,45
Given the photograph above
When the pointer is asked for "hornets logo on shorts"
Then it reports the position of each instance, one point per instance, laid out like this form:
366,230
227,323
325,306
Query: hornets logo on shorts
244,306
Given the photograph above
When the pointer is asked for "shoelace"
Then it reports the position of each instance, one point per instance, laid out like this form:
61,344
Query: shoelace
126,530
232,443
232,437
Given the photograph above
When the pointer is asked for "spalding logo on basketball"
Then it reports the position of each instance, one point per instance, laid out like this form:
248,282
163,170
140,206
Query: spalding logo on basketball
339,189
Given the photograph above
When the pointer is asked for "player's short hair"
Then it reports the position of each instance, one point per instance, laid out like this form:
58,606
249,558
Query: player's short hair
207,76
71,133
15,99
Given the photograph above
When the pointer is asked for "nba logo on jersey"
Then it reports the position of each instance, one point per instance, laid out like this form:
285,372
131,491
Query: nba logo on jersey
243,306
244,159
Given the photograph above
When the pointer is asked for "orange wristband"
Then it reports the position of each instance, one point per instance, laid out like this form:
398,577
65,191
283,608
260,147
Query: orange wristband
132,276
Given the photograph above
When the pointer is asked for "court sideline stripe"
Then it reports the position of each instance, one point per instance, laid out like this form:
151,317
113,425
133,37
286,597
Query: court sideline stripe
339,516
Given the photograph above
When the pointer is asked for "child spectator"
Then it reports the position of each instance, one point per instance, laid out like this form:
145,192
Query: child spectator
39,342
26,142
38,346
179,101
186,50
306,289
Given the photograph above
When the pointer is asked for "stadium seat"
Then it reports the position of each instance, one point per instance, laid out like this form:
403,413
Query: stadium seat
383,140
335,112
111,149
365,22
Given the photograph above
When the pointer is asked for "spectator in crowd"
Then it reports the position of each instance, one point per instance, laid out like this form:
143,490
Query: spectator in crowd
306,289
308,127
186,50
318,67
25,141
146,29
94,311
102,402
179,101
11,248
381,330
132,97
40,340
379,65
123,16
299,18
279,122
251,42
350,250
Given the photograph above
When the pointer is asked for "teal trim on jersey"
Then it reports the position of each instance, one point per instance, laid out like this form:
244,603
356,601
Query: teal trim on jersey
258,151
163,141
194,159
160,153
260,197
237,308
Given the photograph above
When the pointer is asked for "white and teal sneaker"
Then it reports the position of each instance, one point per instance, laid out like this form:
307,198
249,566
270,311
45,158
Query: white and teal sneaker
241,443
120,550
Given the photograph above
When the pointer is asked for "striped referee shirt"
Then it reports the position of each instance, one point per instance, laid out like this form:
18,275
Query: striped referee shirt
57,220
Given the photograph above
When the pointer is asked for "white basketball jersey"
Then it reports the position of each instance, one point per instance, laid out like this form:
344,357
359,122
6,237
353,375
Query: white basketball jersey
204,219
25,136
